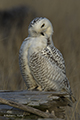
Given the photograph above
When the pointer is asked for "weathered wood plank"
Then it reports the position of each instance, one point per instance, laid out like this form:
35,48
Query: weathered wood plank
25,97
26,108
43,101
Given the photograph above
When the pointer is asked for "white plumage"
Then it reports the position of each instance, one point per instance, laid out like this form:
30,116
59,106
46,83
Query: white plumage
41,63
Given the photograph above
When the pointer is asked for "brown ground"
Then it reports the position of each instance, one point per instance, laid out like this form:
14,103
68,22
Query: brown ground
65,17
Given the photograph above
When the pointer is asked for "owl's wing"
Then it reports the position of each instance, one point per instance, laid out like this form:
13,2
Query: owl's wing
55,57
47,74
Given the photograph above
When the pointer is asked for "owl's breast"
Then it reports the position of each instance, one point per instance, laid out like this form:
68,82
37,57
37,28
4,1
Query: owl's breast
37,44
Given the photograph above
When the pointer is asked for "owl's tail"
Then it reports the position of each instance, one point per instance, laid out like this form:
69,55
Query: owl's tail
73,99
69,100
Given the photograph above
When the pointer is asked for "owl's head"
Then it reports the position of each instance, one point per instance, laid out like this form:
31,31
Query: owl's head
40,26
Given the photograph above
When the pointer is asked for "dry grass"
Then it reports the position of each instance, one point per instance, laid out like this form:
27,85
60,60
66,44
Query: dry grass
13,30
65,17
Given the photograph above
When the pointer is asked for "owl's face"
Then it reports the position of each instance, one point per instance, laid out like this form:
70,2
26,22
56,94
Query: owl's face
40,27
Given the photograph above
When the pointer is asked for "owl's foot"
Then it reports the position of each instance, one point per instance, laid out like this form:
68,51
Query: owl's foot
39,88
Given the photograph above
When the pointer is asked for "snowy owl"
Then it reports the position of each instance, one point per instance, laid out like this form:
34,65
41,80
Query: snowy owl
41,63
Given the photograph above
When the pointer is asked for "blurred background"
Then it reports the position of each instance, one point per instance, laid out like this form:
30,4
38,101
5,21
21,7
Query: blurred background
15,17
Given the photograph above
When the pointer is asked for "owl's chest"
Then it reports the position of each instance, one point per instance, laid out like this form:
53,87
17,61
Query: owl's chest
37,44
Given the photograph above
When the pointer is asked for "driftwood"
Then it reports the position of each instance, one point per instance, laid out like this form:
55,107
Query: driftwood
26,108
33,103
